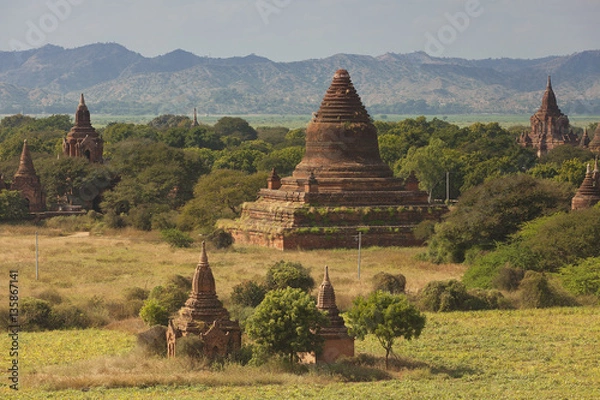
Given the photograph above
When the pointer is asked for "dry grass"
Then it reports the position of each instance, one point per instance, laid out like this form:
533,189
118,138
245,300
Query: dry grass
80,266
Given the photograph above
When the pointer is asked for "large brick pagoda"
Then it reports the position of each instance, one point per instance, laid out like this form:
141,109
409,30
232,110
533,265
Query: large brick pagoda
549,126
341,187
83,140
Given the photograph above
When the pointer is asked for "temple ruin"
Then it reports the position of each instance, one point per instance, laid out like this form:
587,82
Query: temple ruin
341,187
27,182
83,140
549,126
594,145
588,193
204,316
337,342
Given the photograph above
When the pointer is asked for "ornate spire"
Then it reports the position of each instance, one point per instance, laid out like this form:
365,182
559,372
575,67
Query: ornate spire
326,297
549,103
25,163
588,193
595,142
341,102
82,115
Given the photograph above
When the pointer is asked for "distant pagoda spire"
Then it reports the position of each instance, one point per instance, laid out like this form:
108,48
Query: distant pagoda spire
588,193
326,302
195,120
26,167
549,104
595,142
83,140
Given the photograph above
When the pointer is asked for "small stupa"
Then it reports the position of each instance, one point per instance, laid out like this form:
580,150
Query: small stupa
337,341
341,187
594,144
83,140
203,315
588,193
27,182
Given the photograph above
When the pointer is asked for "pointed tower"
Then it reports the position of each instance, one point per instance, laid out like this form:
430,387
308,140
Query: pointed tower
195,120
204,315
594,145
337,341
83,140
28,183
340,185
585,139
588,193
549,126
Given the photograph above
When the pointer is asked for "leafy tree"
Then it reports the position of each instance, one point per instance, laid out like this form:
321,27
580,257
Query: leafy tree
387,317
272,134
153,313
489,213
284,161
220,194
166,121
248,293
560,154
242,159
235,127
117,132
12,206
284,274
583,277
287,322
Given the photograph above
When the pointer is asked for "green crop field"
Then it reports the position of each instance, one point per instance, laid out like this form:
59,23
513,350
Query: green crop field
517,354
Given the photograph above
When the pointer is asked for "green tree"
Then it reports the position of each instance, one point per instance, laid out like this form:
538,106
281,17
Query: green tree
387,317
12,205
236,128
219,194
284,274
287,322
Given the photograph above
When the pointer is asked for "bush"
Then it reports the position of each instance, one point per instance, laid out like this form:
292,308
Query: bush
180,282
120,310
221,239
68,316
51,296
537,292
135,293
508,279
35,314
289,274
248,293
171,297
424,230
189,346
177,238
154,313
154,340
452,295
394,284
582,278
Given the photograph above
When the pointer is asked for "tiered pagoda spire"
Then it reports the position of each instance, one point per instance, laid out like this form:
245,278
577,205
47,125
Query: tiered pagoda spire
594,145
83,140
588,193
195,120
28,183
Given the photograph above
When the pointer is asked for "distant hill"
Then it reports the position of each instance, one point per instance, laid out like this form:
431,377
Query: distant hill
119,81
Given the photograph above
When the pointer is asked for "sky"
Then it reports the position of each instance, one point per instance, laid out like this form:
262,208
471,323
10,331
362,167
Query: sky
292,30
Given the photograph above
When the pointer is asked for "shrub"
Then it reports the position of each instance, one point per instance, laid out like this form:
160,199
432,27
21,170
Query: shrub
248,293
452,295
582,278
394,284
114,220
135,293
171,297
508,278
221,239
68,316
120,310
154,340
537,292
154,313
35,314
189,346
180,281
177,238
424,230
51,296
289,274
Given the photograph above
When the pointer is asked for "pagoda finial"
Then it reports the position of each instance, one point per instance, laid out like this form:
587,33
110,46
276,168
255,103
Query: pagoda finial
549,85
203,256
81,100
588,169
326,278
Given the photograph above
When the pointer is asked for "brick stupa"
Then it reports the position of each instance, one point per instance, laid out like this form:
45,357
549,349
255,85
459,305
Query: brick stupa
340,187
27,182
83,140
588,193
203,315
549,126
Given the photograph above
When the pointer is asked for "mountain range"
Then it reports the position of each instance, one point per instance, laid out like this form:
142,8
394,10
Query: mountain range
119,81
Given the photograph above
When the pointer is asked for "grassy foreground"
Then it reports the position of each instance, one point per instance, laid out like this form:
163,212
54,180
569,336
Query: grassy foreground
525,354
535,354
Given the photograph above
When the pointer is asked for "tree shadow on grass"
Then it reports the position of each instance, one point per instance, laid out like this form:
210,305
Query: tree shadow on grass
368,368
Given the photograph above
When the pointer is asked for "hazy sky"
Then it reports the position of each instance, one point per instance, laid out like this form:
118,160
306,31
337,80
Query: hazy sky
289,30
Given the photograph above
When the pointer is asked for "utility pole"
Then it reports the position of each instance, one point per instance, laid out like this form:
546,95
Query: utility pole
37,253
359,246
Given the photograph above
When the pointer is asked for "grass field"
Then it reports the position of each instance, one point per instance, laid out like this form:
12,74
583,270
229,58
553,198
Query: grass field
524,354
